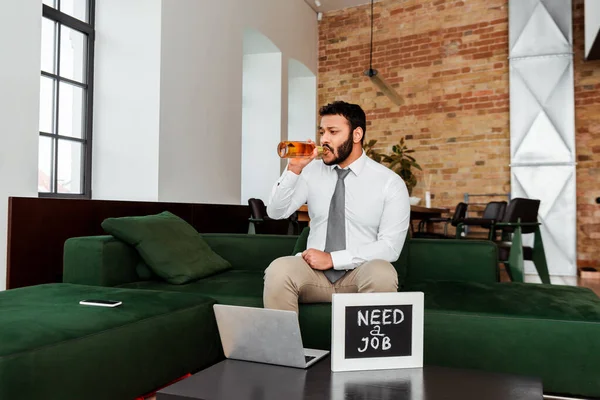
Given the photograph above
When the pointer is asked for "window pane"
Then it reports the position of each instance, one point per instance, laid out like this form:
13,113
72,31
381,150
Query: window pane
70,166
75,8
72,54
45,161
48,45
70,110
51,3
47,104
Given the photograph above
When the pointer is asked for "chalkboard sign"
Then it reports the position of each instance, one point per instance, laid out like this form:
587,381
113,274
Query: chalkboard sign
377,331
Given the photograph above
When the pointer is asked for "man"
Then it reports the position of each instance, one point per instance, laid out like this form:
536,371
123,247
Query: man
359,216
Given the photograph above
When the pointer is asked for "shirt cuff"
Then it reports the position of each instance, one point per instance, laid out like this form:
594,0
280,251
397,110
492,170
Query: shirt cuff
342,260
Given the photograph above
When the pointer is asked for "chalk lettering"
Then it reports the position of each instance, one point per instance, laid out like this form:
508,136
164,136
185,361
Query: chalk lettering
378,317
396,320
375,342
375,317
366,341
387,344
363,318
376,331
386,316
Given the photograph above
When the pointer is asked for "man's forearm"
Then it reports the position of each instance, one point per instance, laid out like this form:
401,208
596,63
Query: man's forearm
288,191
383,249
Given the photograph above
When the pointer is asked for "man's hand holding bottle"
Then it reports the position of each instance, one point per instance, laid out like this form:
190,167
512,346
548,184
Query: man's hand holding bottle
297,164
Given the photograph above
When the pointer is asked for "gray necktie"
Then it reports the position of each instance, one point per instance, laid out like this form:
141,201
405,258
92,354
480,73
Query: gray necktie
336,223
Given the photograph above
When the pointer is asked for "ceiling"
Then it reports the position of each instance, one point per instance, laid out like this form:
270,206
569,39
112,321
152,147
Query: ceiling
330,5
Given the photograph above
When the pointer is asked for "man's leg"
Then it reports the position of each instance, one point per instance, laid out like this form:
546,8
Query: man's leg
289,280
372,276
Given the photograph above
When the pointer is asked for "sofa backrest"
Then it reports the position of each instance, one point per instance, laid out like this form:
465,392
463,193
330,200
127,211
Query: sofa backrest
106,261
452,260
250,252
421,259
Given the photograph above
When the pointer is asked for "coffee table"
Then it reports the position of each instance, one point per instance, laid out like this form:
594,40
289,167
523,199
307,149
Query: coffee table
231,379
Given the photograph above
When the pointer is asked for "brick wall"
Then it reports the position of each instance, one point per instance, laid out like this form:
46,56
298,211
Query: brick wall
448,58
587,123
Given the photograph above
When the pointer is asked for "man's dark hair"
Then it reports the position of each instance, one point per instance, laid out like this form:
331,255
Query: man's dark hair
352,112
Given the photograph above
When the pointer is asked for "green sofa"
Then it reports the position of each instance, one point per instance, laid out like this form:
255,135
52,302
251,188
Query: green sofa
471,319
51,347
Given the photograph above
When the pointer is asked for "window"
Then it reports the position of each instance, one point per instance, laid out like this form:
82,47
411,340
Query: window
66,94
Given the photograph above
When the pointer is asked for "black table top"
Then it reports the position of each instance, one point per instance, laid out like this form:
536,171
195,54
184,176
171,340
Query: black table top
232,379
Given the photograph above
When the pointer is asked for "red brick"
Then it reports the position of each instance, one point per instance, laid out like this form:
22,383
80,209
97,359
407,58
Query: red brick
453,96
413,8
486,54
499,21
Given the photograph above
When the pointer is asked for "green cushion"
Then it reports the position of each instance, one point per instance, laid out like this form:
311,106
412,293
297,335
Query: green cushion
171,247
51,347
302,241
144,272
511,299
245,288
563,353
237,287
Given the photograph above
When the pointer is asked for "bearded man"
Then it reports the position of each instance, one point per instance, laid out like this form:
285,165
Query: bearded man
359,217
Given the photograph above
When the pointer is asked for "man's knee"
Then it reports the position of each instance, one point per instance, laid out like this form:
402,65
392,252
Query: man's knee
280,287
380,276
282,269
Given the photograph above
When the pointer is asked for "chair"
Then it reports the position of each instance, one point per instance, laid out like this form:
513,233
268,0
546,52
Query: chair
521,218
261,223
459,214
493,213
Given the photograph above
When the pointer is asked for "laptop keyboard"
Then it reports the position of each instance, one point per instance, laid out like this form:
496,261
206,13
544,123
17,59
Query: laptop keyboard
309,358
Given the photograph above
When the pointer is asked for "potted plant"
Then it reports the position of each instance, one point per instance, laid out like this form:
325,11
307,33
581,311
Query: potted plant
398,161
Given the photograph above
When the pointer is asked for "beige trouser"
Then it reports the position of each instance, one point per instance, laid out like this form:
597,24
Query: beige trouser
290,280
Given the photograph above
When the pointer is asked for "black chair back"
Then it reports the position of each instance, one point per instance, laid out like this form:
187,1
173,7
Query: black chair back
459,214
257,208
494,210
524,209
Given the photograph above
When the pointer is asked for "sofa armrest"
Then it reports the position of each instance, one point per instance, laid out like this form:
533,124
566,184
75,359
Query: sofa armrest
452,260
99,261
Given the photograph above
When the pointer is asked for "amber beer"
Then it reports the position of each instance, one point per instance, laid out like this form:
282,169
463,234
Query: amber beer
292,149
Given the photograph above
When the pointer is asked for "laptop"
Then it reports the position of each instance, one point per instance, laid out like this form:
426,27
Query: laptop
263,335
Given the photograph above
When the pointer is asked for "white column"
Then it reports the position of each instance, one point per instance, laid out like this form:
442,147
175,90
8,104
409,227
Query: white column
20,41
542,123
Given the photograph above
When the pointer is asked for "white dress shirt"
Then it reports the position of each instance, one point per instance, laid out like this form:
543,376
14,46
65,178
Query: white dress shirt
377,209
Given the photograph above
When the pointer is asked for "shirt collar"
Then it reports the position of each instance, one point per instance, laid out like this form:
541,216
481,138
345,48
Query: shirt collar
357,166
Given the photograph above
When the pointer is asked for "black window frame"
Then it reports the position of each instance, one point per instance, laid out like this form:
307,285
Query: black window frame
88,29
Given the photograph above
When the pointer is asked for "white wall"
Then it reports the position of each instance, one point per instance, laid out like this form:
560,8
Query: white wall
592,23
302,105
196,106
126,100
19,108
261,124
201,88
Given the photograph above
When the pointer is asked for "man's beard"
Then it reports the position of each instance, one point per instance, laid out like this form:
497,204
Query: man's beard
343,152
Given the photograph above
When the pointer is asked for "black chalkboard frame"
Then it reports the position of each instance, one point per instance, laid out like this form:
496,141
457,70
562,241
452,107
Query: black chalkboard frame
343,302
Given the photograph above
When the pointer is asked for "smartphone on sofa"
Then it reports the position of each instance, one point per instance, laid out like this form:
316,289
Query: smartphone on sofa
101,303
